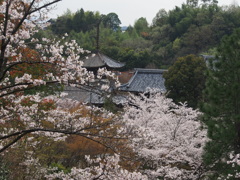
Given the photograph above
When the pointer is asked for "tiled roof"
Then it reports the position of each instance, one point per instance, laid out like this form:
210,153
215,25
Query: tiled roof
83,95
145,79
100,60
91,96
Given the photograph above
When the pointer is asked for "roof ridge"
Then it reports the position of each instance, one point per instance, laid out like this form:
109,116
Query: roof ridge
150,70
99,59
132,78
113,59
100,56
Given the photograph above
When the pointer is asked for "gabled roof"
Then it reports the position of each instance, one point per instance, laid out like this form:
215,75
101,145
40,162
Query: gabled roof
99,60
145,79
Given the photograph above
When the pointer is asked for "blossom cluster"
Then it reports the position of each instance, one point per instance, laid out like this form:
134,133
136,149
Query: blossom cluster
28,63
107,168
167,135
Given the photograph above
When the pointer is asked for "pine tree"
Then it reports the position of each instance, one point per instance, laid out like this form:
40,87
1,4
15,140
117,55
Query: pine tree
222,107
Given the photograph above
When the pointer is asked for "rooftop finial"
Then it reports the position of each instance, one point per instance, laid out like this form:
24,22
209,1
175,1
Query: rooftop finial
98,35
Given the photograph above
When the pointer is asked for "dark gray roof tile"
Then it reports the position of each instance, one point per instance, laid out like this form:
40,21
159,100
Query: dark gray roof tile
145,79
83,95
100,60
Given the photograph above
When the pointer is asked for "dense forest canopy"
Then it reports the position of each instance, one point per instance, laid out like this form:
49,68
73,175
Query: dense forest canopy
194,28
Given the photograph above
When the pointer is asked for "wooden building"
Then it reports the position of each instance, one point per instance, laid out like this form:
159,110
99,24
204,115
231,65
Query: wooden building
144,80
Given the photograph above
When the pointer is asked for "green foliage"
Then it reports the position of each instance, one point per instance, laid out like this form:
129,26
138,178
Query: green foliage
198,39
137,44
161,18
222,107
193,28
185,80
198,27
110,106
134,59
111,21
192,3
80,21
141,25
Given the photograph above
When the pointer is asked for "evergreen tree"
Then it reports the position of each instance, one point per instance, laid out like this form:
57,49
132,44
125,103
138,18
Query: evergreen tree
222,107
185,80
112,21
79,21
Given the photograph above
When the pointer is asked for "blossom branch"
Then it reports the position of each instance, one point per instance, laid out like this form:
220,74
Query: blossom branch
10,66
44,6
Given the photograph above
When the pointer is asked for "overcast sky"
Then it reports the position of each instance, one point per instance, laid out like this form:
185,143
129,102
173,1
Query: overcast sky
128,11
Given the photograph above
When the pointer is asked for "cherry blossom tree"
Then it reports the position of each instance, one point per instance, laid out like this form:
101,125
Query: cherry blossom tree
169,138
234,162
27,116
106,169
60,60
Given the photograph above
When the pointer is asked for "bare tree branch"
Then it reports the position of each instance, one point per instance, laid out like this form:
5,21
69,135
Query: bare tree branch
20,89
44,6
22,133
13,142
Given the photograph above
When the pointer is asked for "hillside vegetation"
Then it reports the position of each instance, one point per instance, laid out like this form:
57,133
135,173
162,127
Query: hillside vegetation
194,28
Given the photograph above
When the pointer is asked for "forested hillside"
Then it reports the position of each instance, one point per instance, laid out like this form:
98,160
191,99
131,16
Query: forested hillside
194,28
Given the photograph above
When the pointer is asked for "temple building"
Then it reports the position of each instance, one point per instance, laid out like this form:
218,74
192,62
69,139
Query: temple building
98,60
93,94
144,80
